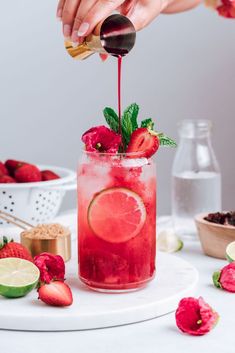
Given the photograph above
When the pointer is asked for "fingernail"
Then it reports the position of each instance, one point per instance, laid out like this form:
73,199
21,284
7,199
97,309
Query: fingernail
82,29
75,45
74,37
59,14
67,31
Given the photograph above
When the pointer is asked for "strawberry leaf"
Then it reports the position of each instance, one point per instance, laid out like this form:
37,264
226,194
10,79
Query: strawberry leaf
148,123
129,121
111,118
166,141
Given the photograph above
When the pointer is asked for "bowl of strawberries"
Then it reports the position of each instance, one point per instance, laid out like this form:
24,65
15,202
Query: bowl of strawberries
31,192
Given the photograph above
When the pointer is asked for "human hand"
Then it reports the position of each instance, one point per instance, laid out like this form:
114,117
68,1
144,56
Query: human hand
80,17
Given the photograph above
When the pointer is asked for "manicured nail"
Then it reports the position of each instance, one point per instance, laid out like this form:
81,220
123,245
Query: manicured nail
74,37
59,14
82,29
75,45
67,31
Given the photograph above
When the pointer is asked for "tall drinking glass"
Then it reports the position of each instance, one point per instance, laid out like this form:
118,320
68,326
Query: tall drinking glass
116,221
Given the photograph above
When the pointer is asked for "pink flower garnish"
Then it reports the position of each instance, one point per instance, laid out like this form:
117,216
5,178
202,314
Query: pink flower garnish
225,8
101,139
195,317
51,267
225,278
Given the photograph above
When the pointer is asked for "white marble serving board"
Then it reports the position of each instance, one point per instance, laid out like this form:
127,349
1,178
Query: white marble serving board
175,279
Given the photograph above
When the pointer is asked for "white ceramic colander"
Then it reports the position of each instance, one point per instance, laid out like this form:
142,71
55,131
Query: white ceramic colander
36,202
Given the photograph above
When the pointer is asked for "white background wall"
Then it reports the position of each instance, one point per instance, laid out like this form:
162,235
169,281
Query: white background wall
183,66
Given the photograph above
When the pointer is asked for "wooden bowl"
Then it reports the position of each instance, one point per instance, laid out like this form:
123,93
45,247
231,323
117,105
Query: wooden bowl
214,237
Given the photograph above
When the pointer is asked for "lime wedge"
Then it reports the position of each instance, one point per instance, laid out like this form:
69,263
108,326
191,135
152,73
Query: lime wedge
17,277
169,242
230,252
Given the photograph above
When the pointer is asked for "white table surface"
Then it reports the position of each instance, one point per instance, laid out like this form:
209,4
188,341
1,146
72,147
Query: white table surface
157,335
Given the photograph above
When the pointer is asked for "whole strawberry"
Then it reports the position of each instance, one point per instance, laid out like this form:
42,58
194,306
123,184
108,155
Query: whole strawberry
27,173
49,175
3,169
12,165
13,249
56,293
6,179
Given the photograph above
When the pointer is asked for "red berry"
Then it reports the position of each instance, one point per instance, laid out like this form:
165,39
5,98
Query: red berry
3,169
49,175
56,294
12,165
6,179
13,249
28,173
143,142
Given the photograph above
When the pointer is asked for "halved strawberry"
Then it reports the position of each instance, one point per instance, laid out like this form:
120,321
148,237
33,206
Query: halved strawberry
49,175
55,293
144,142
12,165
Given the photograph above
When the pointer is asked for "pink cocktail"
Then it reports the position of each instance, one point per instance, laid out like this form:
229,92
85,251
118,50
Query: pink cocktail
116,221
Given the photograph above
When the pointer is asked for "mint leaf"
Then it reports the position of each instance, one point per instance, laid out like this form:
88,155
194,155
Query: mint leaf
166,141
129,121
148,123
112,118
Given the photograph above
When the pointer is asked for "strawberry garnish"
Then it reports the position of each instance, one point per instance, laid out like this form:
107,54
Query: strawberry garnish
6,179
12,165
144,142
13,249
56,294
27,173
49,175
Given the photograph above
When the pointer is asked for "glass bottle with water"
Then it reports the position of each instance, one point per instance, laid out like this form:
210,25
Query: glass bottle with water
196,179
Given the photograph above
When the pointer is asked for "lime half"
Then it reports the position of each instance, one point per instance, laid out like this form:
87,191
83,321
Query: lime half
230,252
169,242
17,277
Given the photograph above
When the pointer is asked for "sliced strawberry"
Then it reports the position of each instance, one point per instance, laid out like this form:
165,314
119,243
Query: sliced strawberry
49,175
144,142
28,173
7,179
56,294
3,169
12,165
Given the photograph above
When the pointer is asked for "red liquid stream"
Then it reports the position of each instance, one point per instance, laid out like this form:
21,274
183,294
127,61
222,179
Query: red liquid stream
119,92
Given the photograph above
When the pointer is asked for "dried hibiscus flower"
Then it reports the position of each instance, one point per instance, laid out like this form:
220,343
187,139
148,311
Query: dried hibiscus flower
225,8
195,317
51,267
101,139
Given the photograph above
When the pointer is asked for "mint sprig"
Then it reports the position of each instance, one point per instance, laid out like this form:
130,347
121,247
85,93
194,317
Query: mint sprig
166,141
129,121
112,119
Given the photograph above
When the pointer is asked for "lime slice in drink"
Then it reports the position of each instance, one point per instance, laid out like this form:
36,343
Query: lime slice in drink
17,277
116,214
169,242
230,252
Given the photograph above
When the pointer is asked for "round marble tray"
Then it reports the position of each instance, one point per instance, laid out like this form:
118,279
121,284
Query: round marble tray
175,279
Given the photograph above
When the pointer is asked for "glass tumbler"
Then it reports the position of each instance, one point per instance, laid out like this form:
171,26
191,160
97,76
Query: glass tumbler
116,221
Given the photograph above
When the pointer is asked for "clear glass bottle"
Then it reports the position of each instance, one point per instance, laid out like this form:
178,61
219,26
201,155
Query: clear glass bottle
196,178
